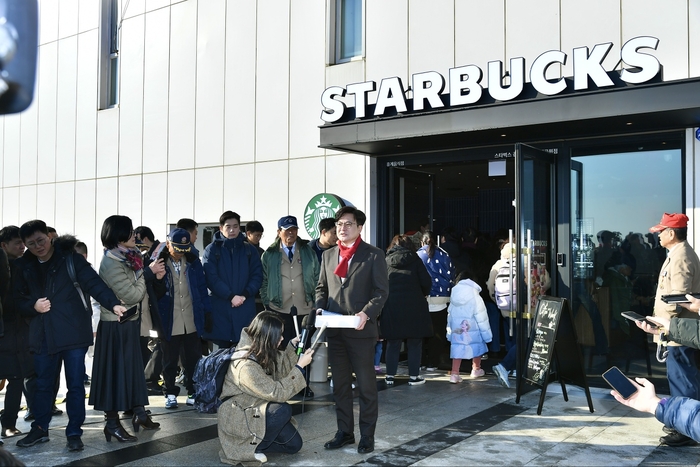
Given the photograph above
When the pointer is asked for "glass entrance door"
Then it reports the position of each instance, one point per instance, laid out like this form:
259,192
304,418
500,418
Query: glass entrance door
534,221
412,206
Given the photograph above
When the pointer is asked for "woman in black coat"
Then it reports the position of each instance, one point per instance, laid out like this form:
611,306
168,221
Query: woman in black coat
405,314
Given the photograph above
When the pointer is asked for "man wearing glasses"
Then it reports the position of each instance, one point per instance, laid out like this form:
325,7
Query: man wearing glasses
60,328
680,274
353,281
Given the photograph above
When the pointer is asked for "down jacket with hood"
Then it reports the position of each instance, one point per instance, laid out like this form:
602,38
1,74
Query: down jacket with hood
405,313
468,328
68,325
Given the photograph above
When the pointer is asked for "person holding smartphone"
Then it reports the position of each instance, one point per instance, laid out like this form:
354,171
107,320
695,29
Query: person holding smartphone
680,274
118,382
681,414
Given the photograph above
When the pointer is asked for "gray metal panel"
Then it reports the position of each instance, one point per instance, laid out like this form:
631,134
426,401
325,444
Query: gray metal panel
659,106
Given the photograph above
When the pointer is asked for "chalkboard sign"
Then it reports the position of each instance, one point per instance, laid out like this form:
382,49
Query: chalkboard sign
542,340
553,352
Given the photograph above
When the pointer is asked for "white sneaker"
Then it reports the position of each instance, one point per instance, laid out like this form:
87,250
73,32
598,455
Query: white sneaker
455,378
477,373
260,457
513,374
415,381
170,401
190,400
502,375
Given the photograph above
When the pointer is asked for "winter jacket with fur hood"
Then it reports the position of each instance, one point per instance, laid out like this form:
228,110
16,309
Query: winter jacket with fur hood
68,325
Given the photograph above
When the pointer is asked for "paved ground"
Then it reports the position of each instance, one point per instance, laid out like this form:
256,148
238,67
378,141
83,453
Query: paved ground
476,422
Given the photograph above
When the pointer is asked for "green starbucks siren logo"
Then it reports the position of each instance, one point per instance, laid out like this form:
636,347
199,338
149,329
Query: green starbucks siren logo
320,207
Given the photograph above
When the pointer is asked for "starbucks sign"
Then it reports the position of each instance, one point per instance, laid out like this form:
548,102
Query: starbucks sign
321,206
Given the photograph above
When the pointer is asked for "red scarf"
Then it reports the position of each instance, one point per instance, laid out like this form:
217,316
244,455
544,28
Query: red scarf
345,254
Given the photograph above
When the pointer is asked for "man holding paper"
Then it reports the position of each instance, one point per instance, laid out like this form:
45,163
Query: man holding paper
353,281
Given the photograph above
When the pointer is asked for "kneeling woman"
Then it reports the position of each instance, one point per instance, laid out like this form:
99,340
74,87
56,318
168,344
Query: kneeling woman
255,417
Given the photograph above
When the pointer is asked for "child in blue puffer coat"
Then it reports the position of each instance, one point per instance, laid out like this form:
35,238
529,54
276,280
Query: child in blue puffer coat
468,327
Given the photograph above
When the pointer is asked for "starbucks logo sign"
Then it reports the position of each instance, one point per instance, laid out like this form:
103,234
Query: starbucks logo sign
320,207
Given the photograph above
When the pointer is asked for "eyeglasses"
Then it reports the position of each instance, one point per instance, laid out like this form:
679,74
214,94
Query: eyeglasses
37,244
340,225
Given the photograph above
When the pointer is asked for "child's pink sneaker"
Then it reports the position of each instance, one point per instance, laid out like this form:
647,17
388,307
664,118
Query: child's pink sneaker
477,373
454,379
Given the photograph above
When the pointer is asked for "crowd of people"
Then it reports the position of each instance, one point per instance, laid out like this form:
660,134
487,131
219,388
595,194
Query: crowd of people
161,309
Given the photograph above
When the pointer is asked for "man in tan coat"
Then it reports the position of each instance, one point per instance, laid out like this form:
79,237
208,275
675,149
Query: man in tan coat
680,274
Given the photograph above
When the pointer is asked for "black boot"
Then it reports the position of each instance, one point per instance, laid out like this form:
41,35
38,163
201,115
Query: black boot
142,419
113,427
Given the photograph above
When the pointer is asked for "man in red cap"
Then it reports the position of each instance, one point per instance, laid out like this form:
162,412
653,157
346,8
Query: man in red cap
680,274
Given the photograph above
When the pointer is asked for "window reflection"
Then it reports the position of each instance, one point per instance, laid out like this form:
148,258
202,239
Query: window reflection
615,199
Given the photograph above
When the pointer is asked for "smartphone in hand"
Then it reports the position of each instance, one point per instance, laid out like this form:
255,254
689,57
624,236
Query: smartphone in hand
619,382
632,316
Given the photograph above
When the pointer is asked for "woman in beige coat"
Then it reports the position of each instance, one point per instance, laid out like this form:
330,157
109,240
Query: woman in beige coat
255,417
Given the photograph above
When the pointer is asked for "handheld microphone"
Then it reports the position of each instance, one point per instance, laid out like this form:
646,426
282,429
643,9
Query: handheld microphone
306,333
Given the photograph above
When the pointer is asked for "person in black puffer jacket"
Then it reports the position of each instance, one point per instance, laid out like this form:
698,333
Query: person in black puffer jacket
61,324
405,314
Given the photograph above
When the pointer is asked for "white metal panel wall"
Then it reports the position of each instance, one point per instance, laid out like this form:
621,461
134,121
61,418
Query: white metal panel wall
48,66
131,96
531,29
130,198
585,24
48,21
479,33
65,208
155,4
240,85
666,20
45,205
85,222
239,191
305,181
211,39
306,76
272,89
66,108
156,90
208,193
431,34
28,144
2,153
340,170
27,205
86,105
183,39
154,202
133,8
180,195
11,153
105,206
88,15
107,142
68,18
386,23
694,40
271,194
10,206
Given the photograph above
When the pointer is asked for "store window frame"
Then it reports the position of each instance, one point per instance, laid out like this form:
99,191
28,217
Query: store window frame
110,30
340,23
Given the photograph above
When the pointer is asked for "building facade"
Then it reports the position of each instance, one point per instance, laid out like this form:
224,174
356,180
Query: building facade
163,109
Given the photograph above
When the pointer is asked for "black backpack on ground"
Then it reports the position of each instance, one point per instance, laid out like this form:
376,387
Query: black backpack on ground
209,375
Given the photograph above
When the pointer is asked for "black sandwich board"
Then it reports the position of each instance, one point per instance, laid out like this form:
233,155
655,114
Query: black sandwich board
553,352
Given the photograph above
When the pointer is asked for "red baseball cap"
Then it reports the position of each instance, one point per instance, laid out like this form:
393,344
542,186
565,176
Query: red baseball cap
673,221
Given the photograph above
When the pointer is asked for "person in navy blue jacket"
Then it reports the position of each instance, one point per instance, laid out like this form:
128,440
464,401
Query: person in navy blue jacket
182,311
234,274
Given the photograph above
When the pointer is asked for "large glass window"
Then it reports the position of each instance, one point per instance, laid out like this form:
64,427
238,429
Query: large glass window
615,199
109,60
348,30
